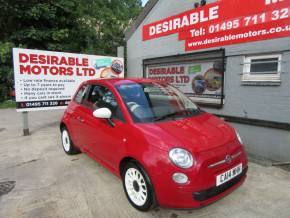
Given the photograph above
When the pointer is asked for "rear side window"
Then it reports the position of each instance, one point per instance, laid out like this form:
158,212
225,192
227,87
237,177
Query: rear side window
81,94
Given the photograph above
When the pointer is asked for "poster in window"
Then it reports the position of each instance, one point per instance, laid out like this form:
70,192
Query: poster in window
202,81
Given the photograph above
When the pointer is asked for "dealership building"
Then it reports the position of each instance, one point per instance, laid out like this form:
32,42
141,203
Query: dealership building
232,57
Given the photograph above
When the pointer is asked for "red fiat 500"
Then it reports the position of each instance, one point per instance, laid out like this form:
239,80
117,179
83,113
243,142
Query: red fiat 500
166,150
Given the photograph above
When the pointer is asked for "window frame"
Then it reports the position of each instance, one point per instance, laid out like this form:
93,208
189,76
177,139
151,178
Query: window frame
85,86
90,108
211,101
261,77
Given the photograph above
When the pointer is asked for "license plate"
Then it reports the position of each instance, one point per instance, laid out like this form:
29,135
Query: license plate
230,174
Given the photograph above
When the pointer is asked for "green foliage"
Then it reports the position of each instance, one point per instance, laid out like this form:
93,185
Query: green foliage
82,26
7,104
6,74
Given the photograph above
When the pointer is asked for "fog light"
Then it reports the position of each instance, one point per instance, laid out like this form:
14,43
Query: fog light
179,178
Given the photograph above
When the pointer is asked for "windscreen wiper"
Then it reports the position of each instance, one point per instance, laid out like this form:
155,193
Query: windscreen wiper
183,112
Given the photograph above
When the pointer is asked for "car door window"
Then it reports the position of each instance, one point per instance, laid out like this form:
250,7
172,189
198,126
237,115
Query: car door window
100,97
80,96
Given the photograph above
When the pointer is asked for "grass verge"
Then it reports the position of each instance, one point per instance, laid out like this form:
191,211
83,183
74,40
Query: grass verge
7,104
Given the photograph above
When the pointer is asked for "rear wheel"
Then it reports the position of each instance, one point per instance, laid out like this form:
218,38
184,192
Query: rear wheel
138,187
67,144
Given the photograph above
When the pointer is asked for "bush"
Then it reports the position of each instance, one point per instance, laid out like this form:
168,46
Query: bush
6,71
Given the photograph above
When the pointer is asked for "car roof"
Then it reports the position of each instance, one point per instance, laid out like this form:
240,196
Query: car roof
119,81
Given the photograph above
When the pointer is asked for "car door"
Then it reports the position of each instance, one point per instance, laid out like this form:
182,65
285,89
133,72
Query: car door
77,112
104,140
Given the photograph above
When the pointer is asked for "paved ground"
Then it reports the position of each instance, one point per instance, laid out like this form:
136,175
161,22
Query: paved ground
44,182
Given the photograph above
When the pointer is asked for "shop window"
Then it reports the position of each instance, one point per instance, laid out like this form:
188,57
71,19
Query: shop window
198,75
262,69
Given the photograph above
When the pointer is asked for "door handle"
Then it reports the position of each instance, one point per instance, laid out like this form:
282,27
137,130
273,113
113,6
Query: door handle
80,119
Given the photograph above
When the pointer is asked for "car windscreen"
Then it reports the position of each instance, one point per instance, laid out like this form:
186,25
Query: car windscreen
153,102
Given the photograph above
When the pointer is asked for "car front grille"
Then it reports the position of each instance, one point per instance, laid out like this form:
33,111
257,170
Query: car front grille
211,192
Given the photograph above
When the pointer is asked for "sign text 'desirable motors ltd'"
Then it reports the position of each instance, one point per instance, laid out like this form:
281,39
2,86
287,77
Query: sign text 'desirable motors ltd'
47,80
225,22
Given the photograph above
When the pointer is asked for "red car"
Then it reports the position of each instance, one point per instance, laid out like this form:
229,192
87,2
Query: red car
166,150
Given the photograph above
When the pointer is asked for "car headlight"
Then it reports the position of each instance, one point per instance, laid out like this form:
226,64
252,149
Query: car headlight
239,137
181,158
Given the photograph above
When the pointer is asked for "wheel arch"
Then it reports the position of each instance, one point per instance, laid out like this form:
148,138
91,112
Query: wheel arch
131,158
124,161
62,125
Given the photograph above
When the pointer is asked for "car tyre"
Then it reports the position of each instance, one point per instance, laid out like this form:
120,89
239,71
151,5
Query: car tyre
138,187
67,144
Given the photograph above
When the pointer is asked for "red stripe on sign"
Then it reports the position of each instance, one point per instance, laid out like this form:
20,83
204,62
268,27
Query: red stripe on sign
212,13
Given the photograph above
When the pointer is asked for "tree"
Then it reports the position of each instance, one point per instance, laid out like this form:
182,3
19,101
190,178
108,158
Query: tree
106,21
82,26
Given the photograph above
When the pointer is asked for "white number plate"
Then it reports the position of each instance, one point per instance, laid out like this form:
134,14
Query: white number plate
230,174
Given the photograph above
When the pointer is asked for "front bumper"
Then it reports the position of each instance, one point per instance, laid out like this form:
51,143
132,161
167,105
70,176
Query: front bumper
187,198
215,191
201,189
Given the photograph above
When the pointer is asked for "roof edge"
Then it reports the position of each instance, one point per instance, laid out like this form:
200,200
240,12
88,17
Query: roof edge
136,23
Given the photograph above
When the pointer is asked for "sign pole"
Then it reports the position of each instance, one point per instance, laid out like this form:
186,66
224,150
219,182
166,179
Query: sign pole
25,123
120,52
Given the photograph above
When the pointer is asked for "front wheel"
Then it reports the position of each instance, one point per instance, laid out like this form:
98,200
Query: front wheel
138,187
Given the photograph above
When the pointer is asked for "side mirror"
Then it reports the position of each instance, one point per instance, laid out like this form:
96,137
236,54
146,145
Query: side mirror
103,113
